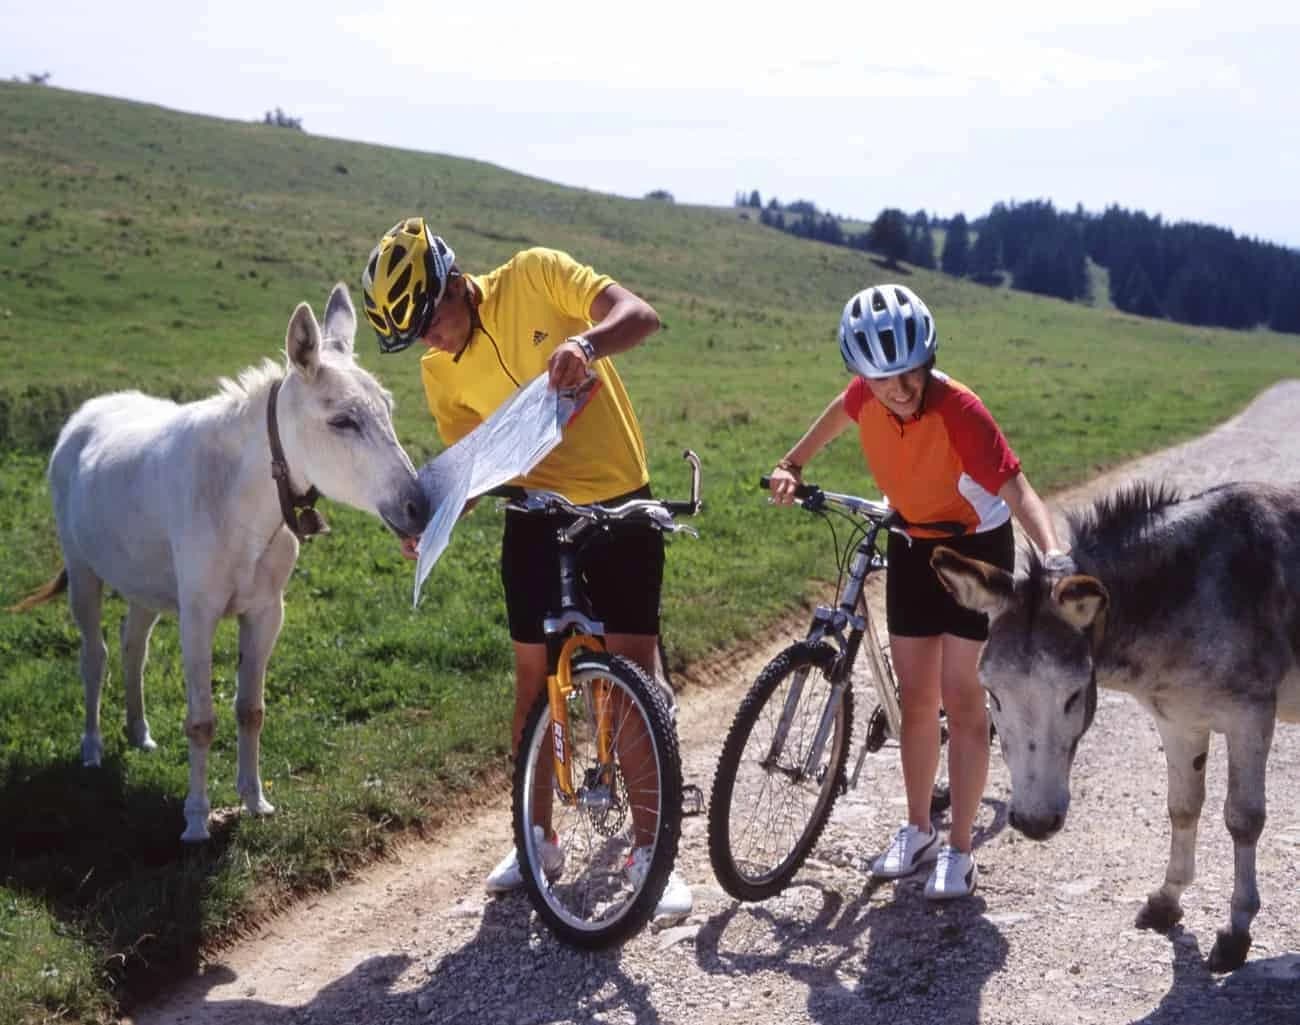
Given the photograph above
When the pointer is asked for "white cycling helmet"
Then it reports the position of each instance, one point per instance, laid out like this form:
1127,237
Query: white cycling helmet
886,330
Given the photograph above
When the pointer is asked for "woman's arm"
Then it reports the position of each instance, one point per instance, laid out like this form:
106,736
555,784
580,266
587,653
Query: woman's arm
833,422
1032,514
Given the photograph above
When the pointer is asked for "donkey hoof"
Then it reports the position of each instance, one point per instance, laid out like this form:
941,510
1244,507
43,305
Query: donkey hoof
1159,914
138,733
92,751
1229,953
195,832
259,805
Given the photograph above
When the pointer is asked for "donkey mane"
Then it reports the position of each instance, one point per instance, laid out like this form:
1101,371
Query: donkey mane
251,382
1113,523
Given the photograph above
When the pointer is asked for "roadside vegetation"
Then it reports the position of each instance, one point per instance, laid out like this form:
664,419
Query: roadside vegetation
144,248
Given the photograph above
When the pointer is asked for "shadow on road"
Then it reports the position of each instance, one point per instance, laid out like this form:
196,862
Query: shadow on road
1263,992
553,983
363,995
909,959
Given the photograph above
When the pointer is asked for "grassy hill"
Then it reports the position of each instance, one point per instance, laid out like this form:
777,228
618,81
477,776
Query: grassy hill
140,247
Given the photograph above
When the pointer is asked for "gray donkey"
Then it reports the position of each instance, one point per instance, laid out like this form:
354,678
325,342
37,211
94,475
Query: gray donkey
1192,605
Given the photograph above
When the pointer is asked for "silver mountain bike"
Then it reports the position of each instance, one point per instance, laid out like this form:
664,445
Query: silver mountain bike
784,761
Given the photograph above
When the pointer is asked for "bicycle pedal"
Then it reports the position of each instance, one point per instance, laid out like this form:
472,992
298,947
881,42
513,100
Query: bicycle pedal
692,800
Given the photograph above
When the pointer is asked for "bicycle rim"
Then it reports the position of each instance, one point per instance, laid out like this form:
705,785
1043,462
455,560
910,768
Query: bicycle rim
592,900
766,813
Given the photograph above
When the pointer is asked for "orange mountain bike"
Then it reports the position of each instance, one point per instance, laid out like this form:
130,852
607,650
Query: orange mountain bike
598,776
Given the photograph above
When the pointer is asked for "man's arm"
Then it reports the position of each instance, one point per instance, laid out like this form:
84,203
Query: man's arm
621,320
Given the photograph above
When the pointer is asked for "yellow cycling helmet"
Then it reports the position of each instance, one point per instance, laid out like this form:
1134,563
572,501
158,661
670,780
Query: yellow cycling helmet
403,281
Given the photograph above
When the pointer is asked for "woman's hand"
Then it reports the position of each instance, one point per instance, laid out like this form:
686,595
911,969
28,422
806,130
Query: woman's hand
783,482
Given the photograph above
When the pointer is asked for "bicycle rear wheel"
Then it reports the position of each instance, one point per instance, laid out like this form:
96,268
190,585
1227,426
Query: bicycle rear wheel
635,800
768,805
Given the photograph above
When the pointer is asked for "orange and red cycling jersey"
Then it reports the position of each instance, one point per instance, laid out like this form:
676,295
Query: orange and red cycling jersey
947,463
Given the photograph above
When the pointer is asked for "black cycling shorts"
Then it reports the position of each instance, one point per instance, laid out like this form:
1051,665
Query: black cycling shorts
916,602
622,571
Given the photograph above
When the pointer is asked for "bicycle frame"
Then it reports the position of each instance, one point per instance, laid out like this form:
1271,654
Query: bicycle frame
573,630
830,624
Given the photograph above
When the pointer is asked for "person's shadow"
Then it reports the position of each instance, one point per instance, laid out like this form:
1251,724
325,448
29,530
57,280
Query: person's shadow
548,980
1263,992
908,959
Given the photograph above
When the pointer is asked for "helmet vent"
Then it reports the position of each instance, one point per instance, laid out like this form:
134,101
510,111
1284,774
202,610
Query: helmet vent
911,332
399,309
857,312
396,256
878,301
399,286
888,346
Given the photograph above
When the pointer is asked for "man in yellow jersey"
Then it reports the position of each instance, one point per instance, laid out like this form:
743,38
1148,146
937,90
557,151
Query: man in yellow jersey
485,336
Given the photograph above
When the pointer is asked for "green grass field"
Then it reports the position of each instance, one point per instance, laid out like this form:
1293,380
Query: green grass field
145,248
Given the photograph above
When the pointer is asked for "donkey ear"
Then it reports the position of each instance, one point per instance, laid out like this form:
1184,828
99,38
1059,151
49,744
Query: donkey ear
302,342
340,327
977,585
1081,600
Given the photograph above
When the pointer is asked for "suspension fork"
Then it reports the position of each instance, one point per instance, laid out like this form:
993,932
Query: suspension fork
828,622
559,685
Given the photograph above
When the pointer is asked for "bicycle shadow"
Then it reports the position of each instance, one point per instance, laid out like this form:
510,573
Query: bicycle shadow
363,994
553,982
908,958
1263,992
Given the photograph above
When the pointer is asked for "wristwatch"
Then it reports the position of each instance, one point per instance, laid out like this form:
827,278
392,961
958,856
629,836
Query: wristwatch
588,350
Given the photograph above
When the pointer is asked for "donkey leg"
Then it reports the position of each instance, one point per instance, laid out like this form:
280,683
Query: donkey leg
258,631
1185,752
136,627
1249,740
85,593
197,628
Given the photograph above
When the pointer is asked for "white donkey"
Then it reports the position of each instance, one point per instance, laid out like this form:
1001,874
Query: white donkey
194,508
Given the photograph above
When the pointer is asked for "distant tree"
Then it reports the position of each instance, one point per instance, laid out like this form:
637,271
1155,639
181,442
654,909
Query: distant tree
1138,294
1285,315
920,243
42,79
661,194
888,235
956,248
280,119
986,254
755,200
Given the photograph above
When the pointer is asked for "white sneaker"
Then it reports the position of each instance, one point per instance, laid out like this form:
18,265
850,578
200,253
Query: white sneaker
908,851
507,876
954,875
676,900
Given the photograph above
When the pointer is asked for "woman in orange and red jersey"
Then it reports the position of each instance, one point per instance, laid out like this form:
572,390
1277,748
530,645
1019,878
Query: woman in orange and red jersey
937,455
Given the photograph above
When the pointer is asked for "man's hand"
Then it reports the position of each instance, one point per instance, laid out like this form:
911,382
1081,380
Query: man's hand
410,548
568,366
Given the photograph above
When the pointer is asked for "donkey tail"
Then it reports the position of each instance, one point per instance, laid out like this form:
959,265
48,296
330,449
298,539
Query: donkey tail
51,590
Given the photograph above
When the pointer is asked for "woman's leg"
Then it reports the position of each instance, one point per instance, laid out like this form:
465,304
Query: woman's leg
917,664
968,734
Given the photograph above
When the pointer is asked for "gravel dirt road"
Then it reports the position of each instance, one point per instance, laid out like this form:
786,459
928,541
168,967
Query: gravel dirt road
1048,937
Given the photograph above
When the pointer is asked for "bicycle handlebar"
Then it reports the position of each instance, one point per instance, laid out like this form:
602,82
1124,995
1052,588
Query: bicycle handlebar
657,513
814,498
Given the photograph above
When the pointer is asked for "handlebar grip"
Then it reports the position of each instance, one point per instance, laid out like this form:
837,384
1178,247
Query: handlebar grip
800,490
682,508
513,492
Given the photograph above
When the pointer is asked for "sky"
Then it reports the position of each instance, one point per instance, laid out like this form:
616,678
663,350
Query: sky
1187,110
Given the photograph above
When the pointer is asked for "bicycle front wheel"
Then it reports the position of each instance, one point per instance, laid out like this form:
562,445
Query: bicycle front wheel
774,787
576,851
